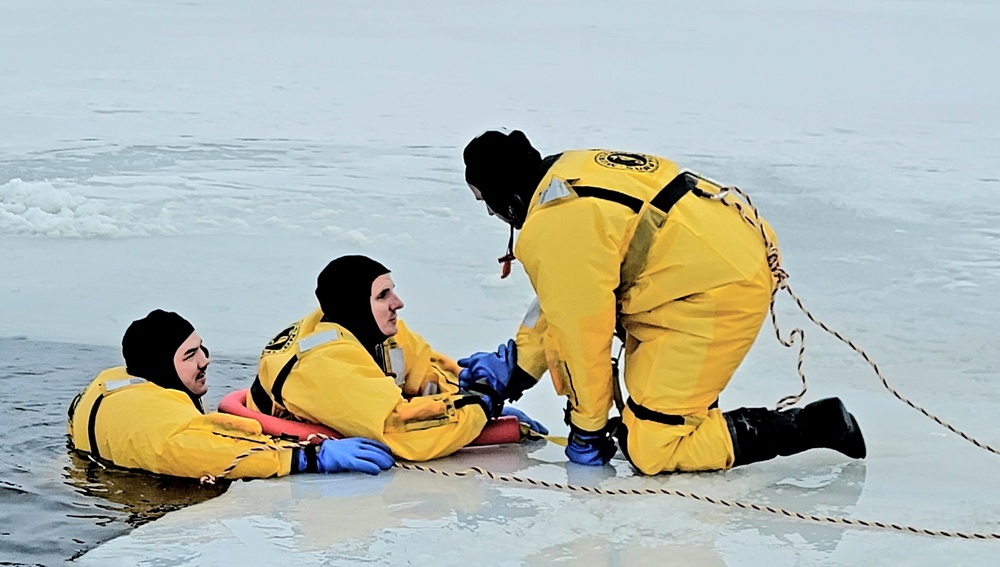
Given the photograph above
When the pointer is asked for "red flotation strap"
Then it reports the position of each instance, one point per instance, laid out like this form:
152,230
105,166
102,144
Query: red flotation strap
497,431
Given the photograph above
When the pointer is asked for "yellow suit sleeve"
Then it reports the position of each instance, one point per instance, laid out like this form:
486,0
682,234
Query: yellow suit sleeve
571,253
162,432
339,385
424,365
530,342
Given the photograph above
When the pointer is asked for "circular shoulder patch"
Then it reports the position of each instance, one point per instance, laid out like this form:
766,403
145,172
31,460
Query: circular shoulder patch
632,162
283,341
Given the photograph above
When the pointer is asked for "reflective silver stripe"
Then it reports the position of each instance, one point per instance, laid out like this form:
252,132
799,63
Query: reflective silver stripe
531,317
317,339
557,189
116,384
397,363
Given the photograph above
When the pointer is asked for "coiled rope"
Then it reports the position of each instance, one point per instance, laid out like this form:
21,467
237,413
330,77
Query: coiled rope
781,283
281,446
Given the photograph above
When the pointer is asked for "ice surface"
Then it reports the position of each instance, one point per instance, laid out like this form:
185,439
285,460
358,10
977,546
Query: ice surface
410,517
211,157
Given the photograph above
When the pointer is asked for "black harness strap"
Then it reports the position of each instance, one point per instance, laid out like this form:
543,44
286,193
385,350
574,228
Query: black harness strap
664,200
72,407
647,414
260,397
629,201
673,191
92,426
279,380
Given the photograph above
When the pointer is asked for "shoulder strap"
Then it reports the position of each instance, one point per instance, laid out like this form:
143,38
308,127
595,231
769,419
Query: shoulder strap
92,427
260,397
629,201
279,380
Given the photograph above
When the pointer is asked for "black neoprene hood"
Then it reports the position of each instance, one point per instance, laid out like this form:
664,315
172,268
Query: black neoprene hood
344,290
505,169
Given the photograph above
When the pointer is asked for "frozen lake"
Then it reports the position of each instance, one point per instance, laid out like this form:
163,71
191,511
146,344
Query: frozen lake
211,157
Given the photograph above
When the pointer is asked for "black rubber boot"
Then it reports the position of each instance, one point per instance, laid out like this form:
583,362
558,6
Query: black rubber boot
755,433
829,425
760,434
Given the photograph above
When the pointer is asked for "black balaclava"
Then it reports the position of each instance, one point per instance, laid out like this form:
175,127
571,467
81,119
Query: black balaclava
506,169
344,291
149,346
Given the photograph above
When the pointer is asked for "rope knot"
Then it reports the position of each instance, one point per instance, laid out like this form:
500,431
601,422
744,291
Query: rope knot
774,264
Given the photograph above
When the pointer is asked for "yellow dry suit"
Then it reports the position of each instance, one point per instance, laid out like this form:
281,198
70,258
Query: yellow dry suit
136,424
614,237
530,344
317,371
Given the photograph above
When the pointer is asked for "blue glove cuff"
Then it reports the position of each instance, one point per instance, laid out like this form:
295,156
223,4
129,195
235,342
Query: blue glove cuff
592,448
494,401
584,436
469,398
520,381
304,460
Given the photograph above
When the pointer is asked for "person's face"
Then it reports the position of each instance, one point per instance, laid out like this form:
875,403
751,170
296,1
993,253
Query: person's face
191,360
479,197
385,304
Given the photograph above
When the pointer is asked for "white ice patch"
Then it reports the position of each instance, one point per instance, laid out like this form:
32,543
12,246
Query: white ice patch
40,208
438,212
356,237
153,205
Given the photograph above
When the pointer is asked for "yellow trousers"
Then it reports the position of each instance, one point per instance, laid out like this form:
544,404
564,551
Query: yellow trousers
682,373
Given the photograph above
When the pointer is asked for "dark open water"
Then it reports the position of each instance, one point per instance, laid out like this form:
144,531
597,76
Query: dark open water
55,505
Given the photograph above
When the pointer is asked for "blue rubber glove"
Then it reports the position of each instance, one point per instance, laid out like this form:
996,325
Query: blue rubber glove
353,454
590,448
523,418
498,364
493,367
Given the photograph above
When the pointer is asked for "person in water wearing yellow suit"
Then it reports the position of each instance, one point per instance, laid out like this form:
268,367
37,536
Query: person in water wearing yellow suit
627,242
149,415
354,366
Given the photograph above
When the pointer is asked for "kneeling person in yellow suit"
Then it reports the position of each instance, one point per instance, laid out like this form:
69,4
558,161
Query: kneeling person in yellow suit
629,241
149,415
354,366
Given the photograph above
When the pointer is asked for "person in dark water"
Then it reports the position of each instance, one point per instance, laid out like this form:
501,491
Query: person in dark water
149,415
353,365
